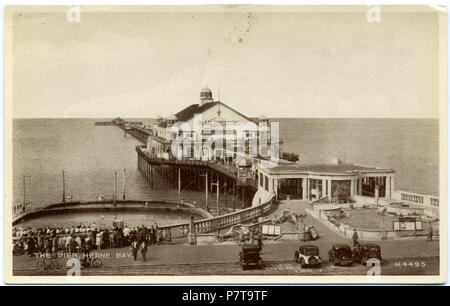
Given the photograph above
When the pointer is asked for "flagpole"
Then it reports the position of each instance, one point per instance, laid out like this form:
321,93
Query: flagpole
179,185
64,187
115,192
24,201
124,185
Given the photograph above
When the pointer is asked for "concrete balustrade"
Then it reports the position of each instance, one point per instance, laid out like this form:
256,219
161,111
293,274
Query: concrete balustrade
220,222
416,198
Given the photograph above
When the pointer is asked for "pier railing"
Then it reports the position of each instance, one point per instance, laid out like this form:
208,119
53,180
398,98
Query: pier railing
220,222
416,198
226,169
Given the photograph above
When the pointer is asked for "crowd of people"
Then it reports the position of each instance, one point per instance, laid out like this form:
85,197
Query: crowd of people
83,239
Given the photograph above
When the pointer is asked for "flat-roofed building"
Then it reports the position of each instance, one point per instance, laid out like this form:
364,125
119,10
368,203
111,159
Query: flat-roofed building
338,182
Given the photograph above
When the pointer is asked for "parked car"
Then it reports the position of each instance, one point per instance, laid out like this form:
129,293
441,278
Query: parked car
250,256
341,254
367,251
308,255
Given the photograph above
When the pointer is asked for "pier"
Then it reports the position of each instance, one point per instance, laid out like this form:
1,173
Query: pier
191,174
199,175
133,128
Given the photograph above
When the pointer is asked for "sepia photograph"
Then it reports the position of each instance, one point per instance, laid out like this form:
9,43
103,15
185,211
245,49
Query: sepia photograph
225,144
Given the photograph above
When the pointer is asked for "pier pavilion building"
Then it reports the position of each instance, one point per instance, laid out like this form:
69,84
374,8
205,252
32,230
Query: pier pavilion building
214,114
337,182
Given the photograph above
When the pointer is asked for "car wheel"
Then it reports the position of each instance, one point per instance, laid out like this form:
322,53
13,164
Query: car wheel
40,265
331,258
54,265
302,263
97,263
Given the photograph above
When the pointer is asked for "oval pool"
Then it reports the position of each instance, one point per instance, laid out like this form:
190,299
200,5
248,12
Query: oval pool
105,219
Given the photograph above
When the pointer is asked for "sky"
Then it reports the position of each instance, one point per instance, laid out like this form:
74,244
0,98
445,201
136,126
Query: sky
280,64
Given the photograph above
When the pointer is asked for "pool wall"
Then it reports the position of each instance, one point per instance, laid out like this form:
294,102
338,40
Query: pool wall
130,206
368,235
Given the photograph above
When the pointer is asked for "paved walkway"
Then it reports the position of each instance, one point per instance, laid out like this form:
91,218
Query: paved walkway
227,252
415,266
389,248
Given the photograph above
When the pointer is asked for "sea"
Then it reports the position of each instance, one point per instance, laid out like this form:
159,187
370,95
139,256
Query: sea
90,155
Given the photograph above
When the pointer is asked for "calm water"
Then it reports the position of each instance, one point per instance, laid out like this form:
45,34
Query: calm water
410,146
89,155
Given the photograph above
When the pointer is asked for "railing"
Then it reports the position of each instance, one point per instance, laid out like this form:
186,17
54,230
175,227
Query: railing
220,222
415,198
223,168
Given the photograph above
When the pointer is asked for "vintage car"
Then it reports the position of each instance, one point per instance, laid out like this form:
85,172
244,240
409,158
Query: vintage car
308,255
367,251
249,256
341,254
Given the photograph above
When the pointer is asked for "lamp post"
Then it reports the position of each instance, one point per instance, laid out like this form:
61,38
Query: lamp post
64,187
179,185
24,194
124,194
217,188
206,189
115,192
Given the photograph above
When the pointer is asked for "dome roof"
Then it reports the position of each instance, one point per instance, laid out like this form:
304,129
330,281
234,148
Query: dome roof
206,92
243,162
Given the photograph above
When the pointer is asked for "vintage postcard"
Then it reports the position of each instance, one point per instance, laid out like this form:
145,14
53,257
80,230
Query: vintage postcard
225,144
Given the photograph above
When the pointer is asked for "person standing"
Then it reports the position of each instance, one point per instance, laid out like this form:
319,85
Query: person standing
430,233
98,240
87,245
259,238
112,236
355,237
68,244
79,244
142,234
241,236
143,248
134,249
120,239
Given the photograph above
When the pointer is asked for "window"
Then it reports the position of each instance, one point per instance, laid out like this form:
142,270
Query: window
266,183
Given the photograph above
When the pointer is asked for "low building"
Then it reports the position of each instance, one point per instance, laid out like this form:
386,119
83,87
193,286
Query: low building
339,182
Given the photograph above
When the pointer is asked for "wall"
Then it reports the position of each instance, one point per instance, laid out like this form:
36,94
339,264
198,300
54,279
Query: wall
416,198
347,232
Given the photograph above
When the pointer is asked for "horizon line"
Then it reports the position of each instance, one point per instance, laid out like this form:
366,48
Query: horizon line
22,118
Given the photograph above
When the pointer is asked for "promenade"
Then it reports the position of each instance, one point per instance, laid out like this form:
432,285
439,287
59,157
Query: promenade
222,258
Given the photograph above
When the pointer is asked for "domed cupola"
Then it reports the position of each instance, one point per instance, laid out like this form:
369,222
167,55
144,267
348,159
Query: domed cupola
263,119
171,119
205,96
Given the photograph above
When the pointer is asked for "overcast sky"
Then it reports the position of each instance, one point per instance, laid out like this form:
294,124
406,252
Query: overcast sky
277,64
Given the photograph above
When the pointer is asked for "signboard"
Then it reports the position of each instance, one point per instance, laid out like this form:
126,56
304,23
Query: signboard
313,232
407,224
419,225
274,230
242,175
